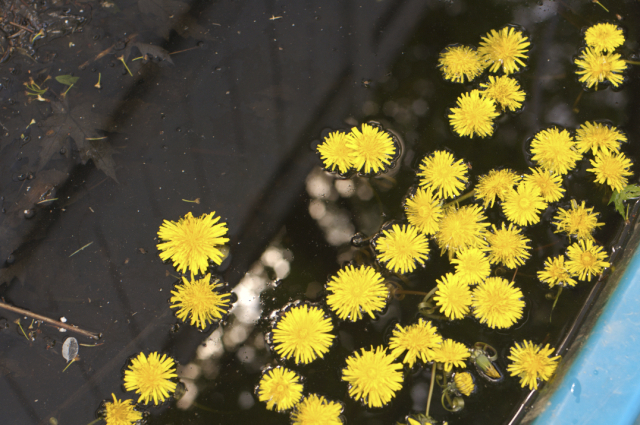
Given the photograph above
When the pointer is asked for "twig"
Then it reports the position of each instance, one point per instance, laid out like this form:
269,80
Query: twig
20,26
49,321
80,249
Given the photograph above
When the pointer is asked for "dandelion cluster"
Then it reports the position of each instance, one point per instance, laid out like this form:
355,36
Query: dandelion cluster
596,67
523,205
577,221
474,114
460,228
424,211
598,137
531,362
604,37
335,153
120,412
507,246
472,265
586,259
401,248
464,383
316,410
280,388
443,175
497,302
549,183
151,377
418,340
453,296
452,353
505,91
504,48
611,169
199,301
356,290
495,184
554,150
460,62
555,272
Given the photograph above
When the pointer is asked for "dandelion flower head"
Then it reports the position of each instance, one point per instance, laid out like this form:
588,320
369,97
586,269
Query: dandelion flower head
372,149
577,221
442,174
612,169
280,388
453,296
599,137
451,353
472,266
401,248
496,183
199,301
595,67
356,290
464,383
373,376
508,246
418,340
151,377
532,362
555,272
497,303
121,412
554,150
604,37
458,62
586,259
316,410
473,115
463,227
424,211
549,183
504,48
191,242
523,205
335,153
505,91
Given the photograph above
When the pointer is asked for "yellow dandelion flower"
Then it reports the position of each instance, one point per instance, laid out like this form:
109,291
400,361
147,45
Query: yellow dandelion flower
458,62
554,150
532,362
280,388
549,183
303,333
497,303
555,272
472,266
604,37
316,410
473,115
594,68
120,412
523,205
373,376
451,353
401,248
599,137
612,169
463,227
191,242
453,296
199,301
505,91
507,246
497,183
464,383
442,174
354,291
424,211
586,259
372,149
418,340
504,48
151,377
335,153
578,221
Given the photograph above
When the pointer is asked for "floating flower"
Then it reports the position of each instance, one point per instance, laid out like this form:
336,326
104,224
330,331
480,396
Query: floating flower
335,153
523,205
451,353
472,266
401,248
612,169
458,62
462,228
373,376
199,301
354,291
151,377
191,242
604,37
442,174
594,68
497,183
497,303
507,246
453,296
464,383
549,183
424,211
555,272
599,137
504,48
586,259
371,150
418,340
303,333
316,410
578,221
532,362
280,388
554,150
474,115
120,412
505,91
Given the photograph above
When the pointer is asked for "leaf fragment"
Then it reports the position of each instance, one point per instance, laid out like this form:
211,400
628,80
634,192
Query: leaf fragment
631,191
67,80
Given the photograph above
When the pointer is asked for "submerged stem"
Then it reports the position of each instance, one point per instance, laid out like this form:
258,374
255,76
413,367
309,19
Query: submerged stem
555,302
433,380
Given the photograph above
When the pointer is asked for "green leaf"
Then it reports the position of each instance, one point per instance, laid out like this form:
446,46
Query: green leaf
67,80
631,191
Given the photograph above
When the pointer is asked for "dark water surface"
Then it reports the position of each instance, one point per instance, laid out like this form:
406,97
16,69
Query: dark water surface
231,122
